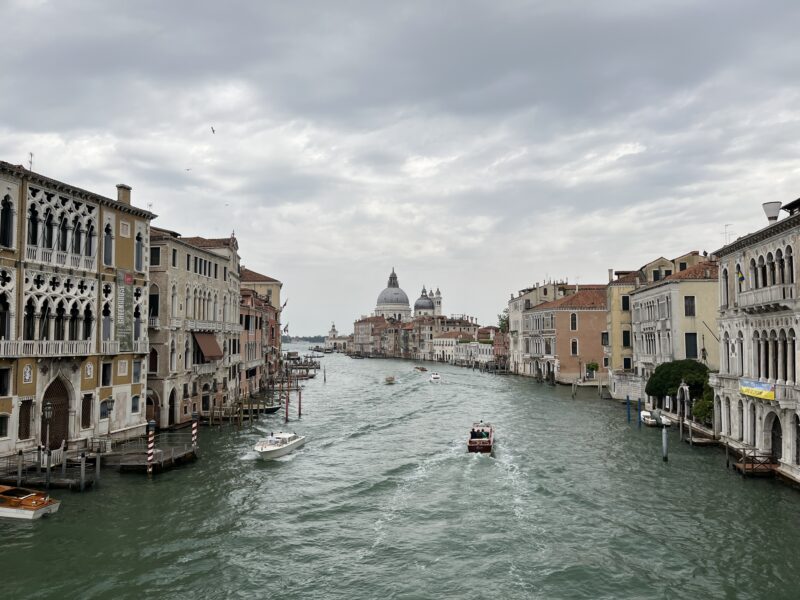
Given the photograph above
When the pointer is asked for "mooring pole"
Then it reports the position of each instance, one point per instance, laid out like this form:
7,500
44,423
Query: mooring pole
19,468
83,470
286,411
639,412
628,406
47,483
299,401
195,427
97,466
664,442
151,446
324,376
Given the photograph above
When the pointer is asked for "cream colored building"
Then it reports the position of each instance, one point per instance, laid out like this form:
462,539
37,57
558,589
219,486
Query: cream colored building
756,406
675,318
73,304
617,339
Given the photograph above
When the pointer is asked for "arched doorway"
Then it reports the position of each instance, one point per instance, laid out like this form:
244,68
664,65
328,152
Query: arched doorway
57,394
777,439
153,407
172,408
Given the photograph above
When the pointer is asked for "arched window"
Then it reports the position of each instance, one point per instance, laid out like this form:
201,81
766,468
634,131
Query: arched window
762,272
137,324
724,282
63,235
573,322
187,307
72,328
88,320
138,253
47,237
77,236
224,309
790,264
574,347
6,222
152,363
726,346
33,226
29,320
58,324
108,246
153,301
106,314
187,355
740,354
90,241
174,302
739,279
135,404
740,414
753,274
797,439
5,317
44,321
172,356
770,271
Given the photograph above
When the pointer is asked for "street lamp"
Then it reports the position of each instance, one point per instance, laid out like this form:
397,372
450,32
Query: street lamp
48,414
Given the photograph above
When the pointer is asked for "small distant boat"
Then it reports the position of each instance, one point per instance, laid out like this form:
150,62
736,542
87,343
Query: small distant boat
271,409
22,503
390,380
279,444
481,438
650,420
435,377
421,369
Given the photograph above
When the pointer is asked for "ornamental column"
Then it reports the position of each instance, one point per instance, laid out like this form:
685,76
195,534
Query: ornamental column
762,359
781,371
790,360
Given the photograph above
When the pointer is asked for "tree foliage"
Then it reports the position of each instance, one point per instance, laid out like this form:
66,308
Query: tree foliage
502,320
667,377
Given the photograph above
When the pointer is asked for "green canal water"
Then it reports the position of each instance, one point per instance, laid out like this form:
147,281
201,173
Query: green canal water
384,502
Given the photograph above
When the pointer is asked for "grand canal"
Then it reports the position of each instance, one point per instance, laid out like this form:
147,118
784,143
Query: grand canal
384,502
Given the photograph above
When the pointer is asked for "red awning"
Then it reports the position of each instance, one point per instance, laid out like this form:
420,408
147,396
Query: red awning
208,345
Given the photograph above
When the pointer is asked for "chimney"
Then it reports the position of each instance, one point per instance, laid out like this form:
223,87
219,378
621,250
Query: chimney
636,282
771,209
610,275
124,194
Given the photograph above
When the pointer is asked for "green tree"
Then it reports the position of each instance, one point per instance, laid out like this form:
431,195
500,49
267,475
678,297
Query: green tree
502,320
667,377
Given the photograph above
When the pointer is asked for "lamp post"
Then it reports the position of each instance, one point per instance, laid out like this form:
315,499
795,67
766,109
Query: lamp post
109,407
48,414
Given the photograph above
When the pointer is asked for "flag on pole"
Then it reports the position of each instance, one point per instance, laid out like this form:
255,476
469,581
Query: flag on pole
739,274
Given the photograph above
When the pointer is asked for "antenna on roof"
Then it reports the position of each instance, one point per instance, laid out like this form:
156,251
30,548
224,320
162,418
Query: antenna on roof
30,161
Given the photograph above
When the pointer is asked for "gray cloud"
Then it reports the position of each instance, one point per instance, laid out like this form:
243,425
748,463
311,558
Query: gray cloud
474,146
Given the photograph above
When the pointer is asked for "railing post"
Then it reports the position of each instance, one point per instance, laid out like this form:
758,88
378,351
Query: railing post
47,478
628,405
83,470
20,460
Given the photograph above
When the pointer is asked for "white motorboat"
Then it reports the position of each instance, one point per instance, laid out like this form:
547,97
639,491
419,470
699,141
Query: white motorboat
435,377
22,503
279,444
650,419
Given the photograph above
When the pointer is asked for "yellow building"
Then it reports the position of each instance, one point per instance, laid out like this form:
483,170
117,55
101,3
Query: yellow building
73,313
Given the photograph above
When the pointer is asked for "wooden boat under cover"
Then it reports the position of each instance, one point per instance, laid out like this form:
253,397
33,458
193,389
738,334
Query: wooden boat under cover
481,438
22,503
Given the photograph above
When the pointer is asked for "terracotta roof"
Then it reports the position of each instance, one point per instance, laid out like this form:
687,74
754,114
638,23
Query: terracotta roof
371,320
201,242
248,276
583,299
703,270
458,335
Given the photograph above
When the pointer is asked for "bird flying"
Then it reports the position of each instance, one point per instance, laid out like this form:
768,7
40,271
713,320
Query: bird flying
212,130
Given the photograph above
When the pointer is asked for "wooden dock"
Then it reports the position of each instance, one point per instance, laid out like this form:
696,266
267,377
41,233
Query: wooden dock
752,464
163,459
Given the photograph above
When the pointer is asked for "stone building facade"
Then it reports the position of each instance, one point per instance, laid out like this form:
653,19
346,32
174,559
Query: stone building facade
195,344
756,391
73,300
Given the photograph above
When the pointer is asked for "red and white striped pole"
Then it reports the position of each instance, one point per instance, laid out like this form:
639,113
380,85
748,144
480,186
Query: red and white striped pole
151,446
195,422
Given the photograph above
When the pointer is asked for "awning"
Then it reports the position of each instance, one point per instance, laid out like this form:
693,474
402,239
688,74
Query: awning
208,345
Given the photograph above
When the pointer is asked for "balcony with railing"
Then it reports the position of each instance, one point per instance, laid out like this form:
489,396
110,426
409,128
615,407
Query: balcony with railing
772,294
197,325
204,368
154,323
45,348
141,346
176,323
60,258
232,359
109,347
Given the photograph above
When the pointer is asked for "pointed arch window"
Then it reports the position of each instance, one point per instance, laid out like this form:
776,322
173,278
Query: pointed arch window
106,322
172,356
77,236
6,222
152,363
108,246
573,347
187,355
63,234
137,323
5,317
139,253
47,233
90,241
174,302
88,320
33,226
573,322
153,300
60,320
74,318
29,320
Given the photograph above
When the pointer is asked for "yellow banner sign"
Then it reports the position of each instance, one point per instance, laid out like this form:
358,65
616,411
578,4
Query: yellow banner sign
757,389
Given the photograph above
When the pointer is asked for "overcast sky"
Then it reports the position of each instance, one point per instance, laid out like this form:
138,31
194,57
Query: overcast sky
474,146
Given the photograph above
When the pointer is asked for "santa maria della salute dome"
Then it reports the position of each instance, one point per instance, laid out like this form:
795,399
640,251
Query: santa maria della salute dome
393,302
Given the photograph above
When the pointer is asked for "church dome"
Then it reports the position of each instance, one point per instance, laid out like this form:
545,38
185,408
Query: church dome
424,302
392,294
